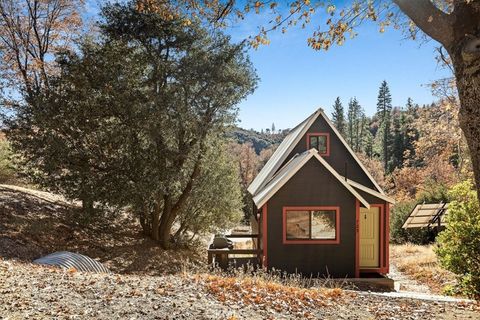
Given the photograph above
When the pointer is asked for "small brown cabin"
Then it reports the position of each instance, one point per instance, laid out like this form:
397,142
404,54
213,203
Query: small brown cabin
320,212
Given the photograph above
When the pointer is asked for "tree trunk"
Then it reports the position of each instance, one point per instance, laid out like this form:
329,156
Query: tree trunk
467,73
164,228
168,218
156,222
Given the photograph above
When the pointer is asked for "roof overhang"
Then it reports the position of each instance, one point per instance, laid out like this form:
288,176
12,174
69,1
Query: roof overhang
372,192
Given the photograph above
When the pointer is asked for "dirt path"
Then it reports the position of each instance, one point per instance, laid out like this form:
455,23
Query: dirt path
403,283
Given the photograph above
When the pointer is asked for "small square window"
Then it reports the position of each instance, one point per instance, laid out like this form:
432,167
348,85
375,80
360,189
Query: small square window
320,142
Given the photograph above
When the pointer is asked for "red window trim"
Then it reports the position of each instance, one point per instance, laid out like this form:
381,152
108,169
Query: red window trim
316,241
318,134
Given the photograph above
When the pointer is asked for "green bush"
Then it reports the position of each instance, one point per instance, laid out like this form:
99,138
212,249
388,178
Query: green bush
7,168
399,235
458,246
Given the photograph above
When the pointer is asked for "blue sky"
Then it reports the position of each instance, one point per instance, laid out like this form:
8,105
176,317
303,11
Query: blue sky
295,80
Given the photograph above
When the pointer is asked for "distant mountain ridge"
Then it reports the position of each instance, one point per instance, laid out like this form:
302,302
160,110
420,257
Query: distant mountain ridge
259,140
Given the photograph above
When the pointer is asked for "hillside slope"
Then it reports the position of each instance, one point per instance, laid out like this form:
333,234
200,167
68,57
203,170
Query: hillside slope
34,224
259,140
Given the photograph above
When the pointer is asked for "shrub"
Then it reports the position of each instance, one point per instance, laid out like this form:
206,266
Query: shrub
458,246
7,168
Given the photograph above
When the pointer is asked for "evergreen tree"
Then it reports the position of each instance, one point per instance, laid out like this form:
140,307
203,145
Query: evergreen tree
113,130
338,117
411,132
357,125
273,128
353,117
366,137
384,109
368,144
397,147
359,129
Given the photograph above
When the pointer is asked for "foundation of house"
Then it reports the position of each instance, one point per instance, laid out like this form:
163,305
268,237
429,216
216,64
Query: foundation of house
372,282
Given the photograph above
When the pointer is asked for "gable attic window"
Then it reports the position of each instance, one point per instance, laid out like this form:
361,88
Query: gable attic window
311,225
319,141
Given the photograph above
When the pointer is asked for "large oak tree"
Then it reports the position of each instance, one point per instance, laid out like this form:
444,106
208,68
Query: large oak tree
128,120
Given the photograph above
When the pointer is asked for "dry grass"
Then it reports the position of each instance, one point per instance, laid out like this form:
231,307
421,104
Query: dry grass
268,294
420,263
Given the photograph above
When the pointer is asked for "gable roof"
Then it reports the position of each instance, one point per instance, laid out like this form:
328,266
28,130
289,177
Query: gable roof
287,145
290,169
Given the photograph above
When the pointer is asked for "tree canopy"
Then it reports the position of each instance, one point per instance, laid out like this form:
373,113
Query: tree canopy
127,120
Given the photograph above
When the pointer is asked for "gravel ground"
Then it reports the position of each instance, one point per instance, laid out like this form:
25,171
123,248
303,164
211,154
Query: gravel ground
149,283
34,292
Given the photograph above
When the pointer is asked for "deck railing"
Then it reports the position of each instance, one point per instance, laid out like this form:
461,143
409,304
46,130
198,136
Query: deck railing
222,257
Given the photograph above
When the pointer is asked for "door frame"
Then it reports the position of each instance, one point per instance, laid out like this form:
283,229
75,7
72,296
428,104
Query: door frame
384,229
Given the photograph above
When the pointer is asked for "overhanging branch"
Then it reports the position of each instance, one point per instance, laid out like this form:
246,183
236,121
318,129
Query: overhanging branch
431,20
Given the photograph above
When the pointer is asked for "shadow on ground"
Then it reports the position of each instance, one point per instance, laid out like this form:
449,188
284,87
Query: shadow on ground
33,225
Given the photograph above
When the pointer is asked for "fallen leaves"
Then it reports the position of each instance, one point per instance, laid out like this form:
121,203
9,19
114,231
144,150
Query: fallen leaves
270,295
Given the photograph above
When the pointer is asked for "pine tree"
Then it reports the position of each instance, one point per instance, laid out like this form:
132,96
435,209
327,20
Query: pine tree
355,125
368,149
397,147
352,120
411,132
384,110
366,137
338,117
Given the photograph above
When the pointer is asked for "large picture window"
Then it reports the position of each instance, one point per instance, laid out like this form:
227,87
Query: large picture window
319,141
311,225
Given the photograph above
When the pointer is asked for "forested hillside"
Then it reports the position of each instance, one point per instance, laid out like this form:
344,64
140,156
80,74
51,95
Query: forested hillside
259,140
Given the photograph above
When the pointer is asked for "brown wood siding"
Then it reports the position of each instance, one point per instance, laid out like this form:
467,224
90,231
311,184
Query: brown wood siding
338,154
312,185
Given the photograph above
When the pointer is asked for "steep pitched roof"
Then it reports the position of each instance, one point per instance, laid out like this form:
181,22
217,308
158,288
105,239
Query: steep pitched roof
280,155
287,145
290,169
